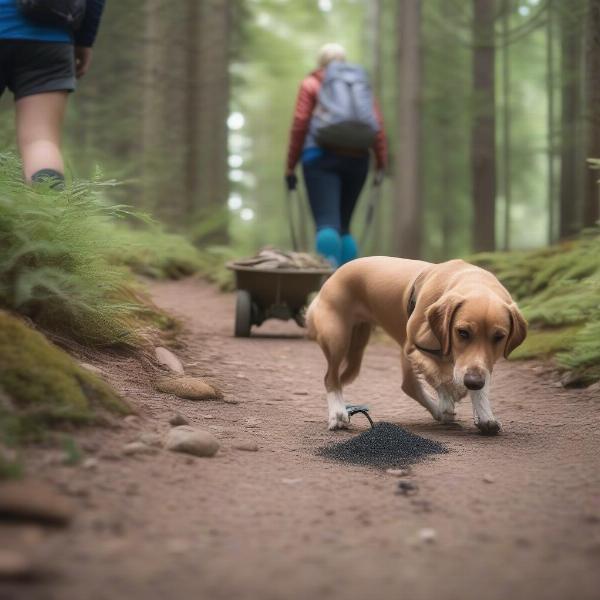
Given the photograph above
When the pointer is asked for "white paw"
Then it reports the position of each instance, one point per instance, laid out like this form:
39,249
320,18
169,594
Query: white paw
447,416
339,420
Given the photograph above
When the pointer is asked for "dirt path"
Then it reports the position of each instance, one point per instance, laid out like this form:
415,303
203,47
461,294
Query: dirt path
282,523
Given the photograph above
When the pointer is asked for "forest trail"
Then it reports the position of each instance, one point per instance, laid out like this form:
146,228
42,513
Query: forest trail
516,516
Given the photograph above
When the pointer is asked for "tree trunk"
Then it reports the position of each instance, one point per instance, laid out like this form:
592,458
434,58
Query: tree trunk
506,123
152,106
212,110
569,170
408,207
375,49
550,122
193,29
483,138
591,212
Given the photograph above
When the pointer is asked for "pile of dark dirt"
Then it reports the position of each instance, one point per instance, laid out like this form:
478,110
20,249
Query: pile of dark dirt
385,445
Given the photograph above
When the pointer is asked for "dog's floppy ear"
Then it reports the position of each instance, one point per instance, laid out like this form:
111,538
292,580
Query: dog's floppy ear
440,317
518,329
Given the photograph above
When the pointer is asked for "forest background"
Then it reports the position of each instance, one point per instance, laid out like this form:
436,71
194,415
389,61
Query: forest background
492,110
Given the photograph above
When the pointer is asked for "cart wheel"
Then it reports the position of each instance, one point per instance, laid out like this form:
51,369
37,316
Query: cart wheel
243,314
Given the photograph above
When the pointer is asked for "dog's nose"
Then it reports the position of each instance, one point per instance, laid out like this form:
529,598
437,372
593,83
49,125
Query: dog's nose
474,380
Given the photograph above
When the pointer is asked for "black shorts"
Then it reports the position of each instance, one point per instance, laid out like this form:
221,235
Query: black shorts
28,67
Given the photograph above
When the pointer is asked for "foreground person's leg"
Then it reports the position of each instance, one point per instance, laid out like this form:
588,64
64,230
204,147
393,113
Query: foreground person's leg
39,126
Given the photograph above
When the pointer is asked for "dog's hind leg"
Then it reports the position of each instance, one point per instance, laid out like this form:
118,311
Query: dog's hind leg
334,339
413,387
358,342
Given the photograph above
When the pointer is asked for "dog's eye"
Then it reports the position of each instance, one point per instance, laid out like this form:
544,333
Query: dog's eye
464,334
499,337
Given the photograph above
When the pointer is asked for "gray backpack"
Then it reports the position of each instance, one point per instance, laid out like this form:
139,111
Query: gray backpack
345,114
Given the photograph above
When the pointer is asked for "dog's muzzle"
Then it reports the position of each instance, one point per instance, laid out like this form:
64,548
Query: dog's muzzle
474,380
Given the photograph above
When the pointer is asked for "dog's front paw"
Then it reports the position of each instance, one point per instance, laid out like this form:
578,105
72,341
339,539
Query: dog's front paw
489,427
447,416
339,420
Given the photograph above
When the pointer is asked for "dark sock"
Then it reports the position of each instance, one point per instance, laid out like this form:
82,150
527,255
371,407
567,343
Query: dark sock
54,178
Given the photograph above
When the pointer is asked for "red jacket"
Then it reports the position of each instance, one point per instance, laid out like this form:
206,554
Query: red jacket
305,105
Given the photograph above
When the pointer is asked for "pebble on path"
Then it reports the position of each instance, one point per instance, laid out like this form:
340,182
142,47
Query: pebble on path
178,419
384,445
190,388
192,441
168,359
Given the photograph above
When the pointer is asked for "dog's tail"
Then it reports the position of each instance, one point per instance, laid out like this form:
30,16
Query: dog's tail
361,333
311,330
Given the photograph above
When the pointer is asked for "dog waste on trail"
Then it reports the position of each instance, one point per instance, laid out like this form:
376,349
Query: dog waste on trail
385,445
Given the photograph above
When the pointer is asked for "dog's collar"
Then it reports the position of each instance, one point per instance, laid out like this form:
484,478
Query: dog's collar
437,353
410,309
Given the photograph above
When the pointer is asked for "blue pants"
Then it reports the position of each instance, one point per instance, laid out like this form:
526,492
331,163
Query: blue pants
334,184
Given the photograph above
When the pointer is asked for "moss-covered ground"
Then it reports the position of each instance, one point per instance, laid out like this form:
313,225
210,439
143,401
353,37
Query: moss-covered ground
558,289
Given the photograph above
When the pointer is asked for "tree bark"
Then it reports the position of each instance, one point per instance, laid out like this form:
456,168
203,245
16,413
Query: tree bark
483,137
591,211
569,171
408,215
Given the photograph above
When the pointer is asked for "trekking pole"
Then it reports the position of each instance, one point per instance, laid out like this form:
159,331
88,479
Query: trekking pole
290,214
302,220
373,201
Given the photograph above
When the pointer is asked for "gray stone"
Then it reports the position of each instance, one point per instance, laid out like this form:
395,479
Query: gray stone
168,359
192,441
138,448
178,419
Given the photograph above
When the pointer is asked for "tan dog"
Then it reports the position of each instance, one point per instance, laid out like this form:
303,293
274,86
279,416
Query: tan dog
453,321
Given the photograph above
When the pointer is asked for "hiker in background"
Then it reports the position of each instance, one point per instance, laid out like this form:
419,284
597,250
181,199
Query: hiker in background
336,124
45,45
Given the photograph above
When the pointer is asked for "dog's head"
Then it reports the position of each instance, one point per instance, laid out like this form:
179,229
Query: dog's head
476,330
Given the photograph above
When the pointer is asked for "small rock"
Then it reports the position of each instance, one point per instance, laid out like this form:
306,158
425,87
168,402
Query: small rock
138,448
488,478
14,565
399,472
90,464
428,535
168,359
192,441
178,419
91,368
190,388
132,420
247,446
34,501
406,488
291,481
252,422
151,439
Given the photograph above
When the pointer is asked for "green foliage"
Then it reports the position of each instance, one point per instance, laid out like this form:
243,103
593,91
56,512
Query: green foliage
41,386
54,260
559,291
67,257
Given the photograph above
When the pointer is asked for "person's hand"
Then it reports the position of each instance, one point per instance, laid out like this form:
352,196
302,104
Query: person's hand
378,178
291,180
83,60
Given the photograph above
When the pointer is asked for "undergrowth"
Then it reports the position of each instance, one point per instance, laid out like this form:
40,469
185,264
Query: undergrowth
558,289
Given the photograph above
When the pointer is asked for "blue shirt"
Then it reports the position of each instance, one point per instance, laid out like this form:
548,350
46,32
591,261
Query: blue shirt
14,26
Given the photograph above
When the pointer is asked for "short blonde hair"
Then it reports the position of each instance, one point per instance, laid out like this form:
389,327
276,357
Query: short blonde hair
330,52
